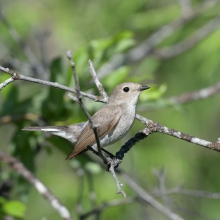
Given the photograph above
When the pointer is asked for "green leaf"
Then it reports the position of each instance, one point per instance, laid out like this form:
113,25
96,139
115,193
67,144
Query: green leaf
93,168
116,77
154,93
14,208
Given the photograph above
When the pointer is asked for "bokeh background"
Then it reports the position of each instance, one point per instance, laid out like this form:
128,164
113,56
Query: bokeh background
171,45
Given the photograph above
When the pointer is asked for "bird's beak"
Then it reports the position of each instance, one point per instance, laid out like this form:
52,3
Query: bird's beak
143,88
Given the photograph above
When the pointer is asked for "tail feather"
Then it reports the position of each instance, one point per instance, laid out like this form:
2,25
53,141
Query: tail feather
71,133
46,128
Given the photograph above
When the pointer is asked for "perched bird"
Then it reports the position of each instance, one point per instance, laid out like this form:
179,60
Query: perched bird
113,120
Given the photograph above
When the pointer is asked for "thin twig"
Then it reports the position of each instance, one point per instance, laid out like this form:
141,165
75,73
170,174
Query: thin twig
17,76
142,193
17,166
196,95
147,47
189,42
11,118
79,97
148,198
161,174
25,48
186,8
6,82
187,192
97,82
113,163
106,205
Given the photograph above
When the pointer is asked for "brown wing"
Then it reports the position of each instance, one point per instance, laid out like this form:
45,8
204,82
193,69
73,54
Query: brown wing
106,119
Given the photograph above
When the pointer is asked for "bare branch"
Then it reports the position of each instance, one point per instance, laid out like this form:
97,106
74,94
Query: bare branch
17,76
79,98
11,118
17,166
155,127
186,8
6,82
188,192
113,163
106,205
160,174
196,95
97,82
188,43
147,46
142,194
26,49
148,198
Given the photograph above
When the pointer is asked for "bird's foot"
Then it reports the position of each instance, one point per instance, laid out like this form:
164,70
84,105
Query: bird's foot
113,162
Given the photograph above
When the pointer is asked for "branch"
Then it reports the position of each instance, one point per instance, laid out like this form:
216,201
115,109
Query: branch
17,166
106,205
188,43
146,48
142,194
156,127
147,198
186,8
79,98
196,95
100,87
17,76
11,118
26,49
6,82
114,163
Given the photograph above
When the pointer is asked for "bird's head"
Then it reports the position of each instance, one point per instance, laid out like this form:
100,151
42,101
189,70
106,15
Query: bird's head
126,92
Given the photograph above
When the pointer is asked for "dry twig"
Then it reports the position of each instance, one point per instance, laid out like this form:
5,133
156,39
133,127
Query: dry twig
39,186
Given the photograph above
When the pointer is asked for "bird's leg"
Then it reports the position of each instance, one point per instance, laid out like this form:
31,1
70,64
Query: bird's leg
109,154
94,151
97,153
111,160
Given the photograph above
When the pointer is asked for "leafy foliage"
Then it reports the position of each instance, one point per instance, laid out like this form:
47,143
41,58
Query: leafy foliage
99,31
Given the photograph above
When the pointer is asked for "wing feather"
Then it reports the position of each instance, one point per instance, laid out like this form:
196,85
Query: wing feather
106,118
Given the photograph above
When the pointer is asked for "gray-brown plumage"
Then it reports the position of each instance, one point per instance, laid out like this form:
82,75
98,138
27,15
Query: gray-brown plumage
113,120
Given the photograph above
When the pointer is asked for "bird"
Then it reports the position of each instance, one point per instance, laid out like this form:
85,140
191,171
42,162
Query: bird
113,121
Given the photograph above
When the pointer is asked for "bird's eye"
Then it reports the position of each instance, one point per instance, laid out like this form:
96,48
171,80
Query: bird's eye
126,89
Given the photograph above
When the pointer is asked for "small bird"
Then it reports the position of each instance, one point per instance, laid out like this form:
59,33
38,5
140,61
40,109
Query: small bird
113,121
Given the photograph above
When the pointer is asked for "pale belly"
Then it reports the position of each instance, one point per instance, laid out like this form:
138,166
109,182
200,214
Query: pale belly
120,130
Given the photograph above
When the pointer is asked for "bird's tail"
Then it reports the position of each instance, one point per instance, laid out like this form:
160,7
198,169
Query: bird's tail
70,133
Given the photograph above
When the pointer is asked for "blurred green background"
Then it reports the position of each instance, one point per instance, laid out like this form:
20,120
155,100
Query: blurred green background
107,31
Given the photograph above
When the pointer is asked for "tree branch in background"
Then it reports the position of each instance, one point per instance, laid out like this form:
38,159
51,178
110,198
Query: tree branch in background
190,42
196,95
9,118
17,166
100,87
25,48
186,8
148,46
105,205
148,198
